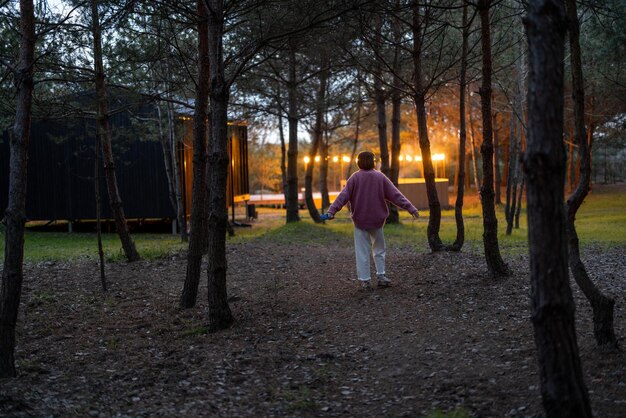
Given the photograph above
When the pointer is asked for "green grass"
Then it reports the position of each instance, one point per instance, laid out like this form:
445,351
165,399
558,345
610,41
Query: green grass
601,221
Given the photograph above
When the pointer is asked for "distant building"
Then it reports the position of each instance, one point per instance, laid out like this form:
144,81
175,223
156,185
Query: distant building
61,159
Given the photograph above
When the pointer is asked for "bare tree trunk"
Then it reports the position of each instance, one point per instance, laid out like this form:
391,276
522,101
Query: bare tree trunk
602,305
180,214
473,149
434,220
518,209
318,136
396,111
220,315
460,192
496,163
381,101
96,185
15,213
357,132
167,158
562,387
107,150
510,168
291,198
197,238
324,172
496,265
283,152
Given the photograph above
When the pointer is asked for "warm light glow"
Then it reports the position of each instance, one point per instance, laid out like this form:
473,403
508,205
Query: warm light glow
438,157
418,158
346,159
307,159
335,159
401,158
409,158
317,158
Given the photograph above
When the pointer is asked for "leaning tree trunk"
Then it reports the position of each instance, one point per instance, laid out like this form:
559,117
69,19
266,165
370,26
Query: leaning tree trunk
318,133
291,198
105,132
496,265
508,206
602,305
15,213
562,387
167,158
434,220
220,315
458,206
197,237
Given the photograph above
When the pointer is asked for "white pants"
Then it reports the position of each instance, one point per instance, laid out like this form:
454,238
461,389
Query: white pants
365,241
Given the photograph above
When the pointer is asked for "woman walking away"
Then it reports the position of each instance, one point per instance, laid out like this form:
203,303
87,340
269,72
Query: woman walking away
368,191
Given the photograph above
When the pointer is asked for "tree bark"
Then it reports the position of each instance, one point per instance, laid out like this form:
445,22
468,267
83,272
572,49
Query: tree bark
473,149
357,131
380,98
496,163
15,213
496,265
283,151
291,199
167,158
510,167
220,315
460,192
105,131
323,181
562,387
396,119
180,214
197,238
602,305
96,187
434,219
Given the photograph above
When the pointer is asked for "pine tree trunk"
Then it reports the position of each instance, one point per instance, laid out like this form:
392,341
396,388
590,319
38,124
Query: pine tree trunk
283,152
518,209
562,387
107,150
357,132
496,265
323,182
381,101
510,167
602,305
167,158
197,238
15,213
175,158
434,220
473,149
396,119
291,198
496,163
96,187
220,315
460,192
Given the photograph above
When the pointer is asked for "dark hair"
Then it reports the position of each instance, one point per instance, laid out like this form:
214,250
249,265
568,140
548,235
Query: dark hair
365,160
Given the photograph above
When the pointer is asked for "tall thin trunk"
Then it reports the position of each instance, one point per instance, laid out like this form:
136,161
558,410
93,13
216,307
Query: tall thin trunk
220,315
197,238
323,181
167,158
496,265
283,151
105,131
509,176
434,220
602,305
561,378
175,158
473,149
15,213
396,112
460,192
96,187
496,163
380,98
357,132
318,135
518,209
291,199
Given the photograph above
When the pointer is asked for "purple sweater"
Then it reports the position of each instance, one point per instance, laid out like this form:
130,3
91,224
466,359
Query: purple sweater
367,191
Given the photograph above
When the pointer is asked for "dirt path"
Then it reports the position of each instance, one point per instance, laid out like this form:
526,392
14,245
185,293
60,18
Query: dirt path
306,342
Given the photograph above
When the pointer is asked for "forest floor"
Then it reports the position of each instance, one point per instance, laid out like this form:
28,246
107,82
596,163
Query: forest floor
306,341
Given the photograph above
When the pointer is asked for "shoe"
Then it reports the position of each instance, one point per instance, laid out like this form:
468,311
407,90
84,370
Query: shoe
366,285
383,281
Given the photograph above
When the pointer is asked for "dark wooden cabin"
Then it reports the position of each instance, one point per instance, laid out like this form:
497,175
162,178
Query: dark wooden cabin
61,159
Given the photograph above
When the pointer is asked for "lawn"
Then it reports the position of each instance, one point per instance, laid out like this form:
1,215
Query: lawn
601,221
